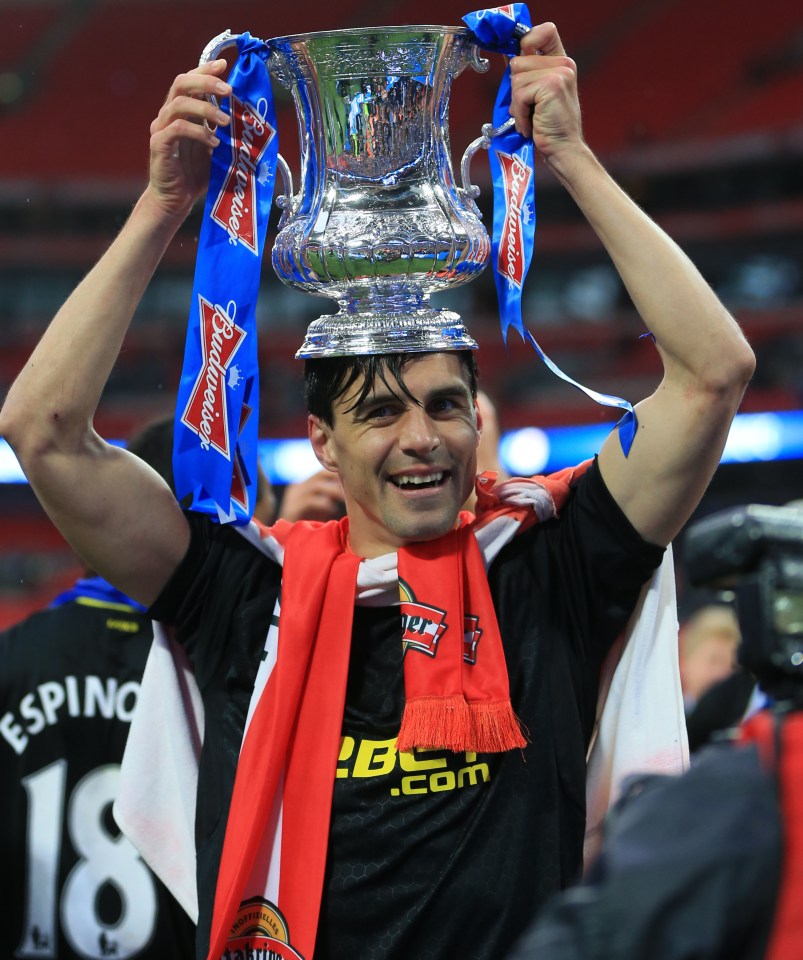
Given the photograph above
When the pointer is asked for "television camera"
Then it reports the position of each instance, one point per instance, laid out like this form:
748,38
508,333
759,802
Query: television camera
757,552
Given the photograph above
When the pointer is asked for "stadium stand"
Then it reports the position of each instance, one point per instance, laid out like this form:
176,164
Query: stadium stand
696,107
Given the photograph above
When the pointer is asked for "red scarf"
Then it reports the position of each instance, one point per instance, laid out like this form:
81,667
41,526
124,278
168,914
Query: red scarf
784,735
456,697
450,703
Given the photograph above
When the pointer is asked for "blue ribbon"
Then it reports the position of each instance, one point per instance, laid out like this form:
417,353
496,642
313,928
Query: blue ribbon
217,409
511,156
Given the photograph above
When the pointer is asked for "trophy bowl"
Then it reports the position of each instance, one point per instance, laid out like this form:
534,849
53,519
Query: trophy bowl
378,223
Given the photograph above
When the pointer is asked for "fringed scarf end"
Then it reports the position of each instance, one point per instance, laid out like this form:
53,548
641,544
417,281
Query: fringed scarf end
435,723
451,723
495,727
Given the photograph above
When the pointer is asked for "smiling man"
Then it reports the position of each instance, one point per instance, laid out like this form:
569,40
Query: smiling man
397,705
402,432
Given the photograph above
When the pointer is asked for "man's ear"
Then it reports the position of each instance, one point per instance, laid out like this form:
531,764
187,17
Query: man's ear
320,436
478,409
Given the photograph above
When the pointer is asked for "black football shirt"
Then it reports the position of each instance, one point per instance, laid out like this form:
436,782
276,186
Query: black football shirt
71,886
431,854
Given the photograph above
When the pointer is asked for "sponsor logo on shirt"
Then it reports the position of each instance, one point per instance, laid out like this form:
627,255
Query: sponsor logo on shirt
413,773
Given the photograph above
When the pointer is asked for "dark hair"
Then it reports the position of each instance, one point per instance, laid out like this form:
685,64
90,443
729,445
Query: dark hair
154,444
327,379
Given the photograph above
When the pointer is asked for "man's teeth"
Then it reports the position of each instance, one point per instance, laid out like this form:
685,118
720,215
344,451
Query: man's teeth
418,480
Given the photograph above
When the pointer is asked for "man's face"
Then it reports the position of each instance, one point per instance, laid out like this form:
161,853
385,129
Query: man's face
406,468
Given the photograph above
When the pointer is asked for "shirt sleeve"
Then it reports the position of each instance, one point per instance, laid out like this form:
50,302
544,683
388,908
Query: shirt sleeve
589,562
170,607
220,597
621,552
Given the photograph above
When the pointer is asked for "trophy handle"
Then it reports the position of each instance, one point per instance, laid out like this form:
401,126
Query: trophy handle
470,190
212,51
287,202
476,61
214,48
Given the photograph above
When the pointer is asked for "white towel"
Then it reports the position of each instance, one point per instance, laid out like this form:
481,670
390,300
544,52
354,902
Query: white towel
641,727
159,772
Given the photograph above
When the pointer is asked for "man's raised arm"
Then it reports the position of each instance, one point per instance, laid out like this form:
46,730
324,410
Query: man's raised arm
115,511
707,362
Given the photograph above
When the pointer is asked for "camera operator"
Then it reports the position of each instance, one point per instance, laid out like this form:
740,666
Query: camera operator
710,864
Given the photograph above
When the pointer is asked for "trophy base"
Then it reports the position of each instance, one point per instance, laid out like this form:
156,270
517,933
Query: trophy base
384,329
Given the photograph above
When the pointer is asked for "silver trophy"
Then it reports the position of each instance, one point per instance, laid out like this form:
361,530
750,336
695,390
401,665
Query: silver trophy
378,223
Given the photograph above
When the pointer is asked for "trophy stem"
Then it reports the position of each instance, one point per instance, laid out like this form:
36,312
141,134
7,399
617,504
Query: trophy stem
395,323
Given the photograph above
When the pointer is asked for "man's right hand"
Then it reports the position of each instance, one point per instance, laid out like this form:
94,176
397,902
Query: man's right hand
115,512
183,137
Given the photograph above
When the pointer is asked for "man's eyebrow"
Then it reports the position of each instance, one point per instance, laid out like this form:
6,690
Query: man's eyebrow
382,396
375,399
450,390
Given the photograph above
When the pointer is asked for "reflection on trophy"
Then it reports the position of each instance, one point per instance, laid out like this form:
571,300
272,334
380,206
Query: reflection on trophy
378,223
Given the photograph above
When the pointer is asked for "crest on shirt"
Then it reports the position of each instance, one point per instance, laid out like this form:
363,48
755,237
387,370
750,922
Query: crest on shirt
423,625
259,930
